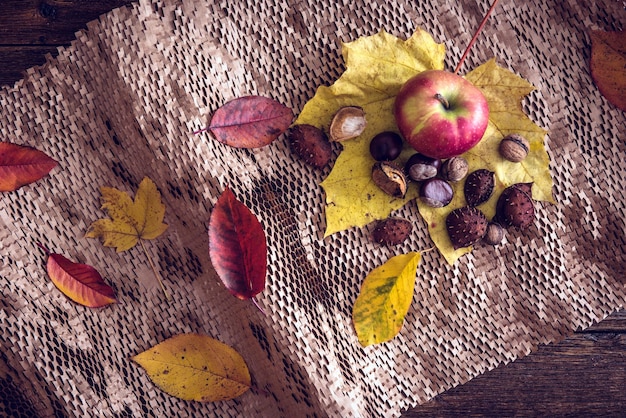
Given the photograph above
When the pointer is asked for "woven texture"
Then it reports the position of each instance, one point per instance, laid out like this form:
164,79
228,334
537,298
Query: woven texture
122,102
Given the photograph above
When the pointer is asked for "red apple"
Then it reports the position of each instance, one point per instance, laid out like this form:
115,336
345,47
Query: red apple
441,114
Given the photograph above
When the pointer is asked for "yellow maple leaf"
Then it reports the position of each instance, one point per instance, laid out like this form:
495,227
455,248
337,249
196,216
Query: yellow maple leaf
196,367
376,67
504,92
130,221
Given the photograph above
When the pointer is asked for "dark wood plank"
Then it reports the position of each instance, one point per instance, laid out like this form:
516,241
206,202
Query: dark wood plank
30,29
585,375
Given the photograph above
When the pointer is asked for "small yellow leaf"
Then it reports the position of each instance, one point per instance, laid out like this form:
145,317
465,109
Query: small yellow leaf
504,92
385,298
196,367
129,220
376,67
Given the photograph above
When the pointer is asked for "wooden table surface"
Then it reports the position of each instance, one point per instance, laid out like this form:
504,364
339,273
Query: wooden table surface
584,375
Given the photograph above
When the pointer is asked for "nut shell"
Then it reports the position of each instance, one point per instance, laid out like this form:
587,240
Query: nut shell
515,208
466,226
392,231
479,186
514,147
436,193
349,122
310,144
389,178
494,234
454,169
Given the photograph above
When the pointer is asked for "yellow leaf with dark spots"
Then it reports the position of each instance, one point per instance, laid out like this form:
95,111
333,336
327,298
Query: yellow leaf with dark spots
196,367
386,295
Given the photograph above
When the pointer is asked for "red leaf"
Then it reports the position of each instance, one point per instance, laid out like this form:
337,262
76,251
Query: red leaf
250,122
22,165
608,65
79,282
237,246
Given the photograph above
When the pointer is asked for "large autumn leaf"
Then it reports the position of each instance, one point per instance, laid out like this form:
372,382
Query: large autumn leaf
376,68
237,246
130,221
504,91
21,165
80,282
608,65
386,295
196,367
250,121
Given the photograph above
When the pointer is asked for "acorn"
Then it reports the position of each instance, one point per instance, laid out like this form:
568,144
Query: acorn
514,147
310,144
465,226
349,122
392,231
479,186
515,208
389,178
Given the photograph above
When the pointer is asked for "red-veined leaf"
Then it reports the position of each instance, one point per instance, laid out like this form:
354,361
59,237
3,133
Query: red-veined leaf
21,165
250,121
80,282
237,246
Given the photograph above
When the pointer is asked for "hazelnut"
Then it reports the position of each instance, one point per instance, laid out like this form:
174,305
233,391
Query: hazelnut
349,122
494,234
386,146
436,193
310,144
514,147
391,231
420,167
389,178
465,226
515,208
454,169
479,186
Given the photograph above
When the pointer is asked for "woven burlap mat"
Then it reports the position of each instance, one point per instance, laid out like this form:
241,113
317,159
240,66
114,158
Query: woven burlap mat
122,102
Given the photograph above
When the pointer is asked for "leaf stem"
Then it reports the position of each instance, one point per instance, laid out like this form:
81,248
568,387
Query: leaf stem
480,28
43,247
256,303
154,270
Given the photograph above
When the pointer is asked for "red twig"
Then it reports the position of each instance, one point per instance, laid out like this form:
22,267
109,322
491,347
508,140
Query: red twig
473,41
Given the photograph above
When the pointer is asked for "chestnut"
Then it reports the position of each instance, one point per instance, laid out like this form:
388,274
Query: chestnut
386,146
436,192
420,167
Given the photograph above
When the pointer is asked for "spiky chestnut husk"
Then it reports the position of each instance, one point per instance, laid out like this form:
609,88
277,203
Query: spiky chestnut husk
465,226
392,231
515,207
479,186
310,144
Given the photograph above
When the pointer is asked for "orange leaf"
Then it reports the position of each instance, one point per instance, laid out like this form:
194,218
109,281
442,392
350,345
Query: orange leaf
21,165
80,282
608,65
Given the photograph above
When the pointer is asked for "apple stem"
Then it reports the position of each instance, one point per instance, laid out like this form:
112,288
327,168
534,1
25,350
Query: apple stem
443,101
473,41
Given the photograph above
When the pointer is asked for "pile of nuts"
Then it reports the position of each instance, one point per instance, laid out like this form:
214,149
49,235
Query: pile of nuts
466,225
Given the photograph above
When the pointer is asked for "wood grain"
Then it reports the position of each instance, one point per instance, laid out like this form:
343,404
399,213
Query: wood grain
584,375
